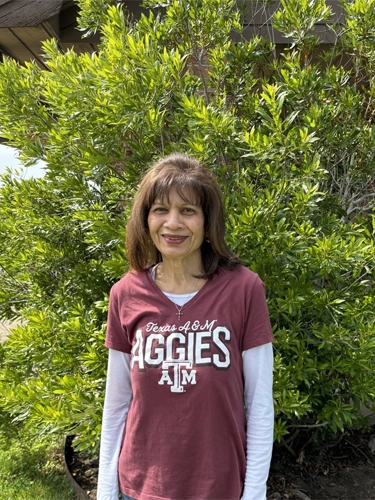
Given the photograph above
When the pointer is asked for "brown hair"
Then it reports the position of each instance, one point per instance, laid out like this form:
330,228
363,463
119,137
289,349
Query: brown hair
190,179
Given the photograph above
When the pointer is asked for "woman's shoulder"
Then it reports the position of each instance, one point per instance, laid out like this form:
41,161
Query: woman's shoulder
242,282
131,279
240,272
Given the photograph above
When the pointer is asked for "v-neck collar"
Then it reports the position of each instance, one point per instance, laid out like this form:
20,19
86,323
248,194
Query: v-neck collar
169,301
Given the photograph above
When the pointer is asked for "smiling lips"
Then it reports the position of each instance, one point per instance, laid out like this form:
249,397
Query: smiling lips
174,239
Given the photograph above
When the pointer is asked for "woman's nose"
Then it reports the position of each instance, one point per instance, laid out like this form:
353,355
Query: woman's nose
174,219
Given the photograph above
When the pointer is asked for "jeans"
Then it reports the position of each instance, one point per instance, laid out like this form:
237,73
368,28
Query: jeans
125,497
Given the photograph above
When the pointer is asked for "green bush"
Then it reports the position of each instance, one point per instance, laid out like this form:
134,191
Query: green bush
291,140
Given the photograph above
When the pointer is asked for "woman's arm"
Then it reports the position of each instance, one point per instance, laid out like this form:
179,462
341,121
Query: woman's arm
257,372
116,405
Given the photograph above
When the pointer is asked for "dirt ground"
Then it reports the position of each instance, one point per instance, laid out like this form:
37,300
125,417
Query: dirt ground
348,484
342,470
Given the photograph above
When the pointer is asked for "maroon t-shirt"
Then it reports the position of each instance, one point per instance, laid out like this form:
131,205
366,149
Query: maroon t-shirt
185,434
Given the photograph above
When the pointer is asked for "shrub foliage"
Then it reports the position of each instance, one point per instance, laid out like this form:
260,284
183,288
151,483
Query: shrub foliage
290,135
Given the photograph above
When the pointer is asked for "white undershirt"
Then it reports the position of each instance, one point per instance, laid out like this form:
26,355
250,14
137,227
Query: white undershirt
257,373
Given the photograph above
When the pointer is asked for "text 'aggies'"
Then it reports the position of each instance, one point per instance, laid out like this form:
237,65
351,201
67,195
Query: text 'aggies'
178,352
201,348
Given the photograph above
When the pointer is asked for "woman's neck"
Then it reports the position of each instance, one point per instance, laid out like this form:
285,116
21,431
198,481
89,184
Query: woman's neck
172,277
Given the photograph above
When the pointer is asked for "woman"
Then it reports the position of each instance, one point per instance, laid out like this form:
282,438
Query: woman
189,337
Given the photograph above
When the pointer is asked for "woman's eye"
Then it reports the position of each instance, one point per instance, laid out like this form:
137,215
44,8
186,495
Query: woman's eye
188,210
160,209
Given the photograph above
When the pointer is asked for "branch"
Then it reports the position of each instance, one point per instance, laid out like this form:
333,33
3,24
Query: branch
312,426
291,451
359,449
21,285
299,494
200,66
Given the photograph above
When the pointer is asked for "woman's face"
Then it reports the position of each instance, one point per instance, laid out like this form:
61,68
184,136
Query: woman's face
177,228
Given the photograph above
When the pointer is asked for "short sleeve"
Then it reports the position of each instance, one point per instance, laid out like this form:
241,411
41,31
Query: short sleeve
116,336
257,328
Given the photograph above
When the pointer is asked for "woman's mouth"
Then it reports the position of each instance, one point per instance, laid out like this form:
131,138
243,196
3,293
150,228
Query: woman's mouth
173,239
